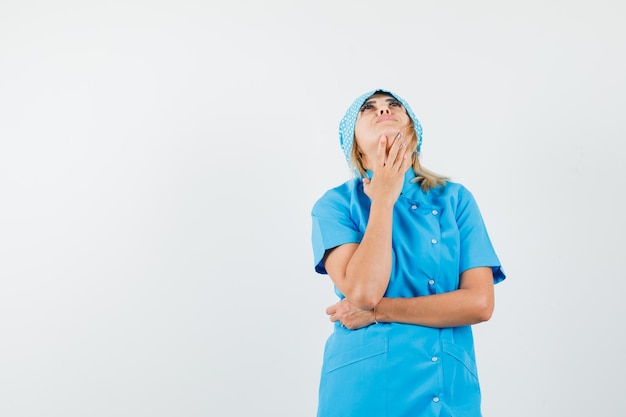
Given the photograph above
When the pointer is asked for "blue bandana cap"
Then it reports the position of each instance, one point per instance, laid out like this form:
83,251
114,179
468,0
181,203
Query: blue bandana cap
347,124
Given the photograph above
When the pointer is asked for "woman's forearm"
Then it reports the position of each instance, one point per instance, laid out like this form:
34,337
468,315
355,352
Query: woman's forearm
472,303
450,309
369,268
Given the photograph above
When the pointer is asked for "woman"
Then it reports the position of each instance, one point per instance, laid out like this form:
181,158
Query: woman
413,265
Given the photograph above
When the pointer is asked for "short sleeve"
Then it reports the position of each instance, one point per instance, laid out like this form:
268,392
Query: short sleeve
332,226
476,249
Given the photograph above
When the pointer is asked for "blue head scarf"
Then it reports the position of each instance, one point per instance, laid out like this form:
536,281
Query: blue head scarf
346,126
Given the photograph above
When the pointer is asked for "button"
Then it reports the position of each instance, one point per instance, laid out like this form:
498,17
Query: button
436,399
435,212
414,207
431,281
434,359
434,241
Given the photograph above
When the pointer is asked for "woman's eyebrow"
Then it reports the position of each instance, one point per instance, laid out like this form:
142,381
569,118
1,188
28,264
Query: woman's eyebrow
388,100
368,102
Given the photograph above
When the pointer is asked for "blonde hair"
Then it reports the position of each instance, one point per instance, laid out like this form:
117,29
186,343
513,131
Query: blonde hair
427,179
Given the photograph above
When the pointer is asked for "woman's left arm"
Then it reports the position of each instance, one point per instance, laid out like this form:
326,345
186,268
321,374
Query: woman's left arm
472,303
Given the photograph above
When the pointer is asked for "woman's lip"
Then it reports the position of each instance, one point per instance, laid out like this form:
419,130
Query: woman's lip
383,118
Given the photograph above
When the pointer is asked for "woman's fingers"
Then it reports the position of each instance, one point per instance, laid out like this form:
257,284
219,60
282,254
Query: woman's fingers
330,310
396,153
406,161
381,152
390,167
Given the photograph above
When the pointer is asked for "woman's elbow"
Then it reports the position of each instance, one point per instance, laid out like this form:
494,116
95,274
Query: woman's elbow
365,300
483,309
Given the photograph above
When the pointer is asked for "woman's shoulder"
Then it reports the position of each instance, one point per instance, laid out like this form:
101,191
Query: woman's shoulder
455,188
450,194
448,189
340,195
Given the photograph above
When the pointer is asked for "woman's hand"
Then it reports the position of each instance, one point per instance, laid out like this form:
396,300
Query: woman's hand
389,171
349,315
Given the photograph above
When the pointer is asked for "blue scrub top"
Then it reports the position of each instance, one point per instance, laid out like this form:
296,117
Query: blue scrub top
394,369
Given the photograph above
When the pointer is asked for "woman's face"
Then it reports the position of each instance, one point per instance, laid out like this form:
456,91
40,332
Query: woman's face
381,114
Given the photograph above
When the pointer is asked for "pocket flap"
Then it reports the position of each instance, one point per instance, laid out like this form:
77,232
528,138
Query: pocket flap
360,353
460,355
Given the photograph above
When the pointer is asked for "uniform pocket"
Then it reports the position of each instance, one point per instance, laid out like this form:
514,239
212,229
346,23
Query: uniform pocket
461,385
461,357
357,354
354,382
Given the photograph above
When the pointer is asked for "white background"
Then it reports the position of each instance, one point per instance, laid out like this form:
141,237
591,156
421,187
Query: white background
159,160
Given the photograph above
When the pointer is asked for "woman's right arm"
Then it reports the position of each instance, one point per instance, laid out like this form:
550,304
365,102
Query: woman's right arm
361,271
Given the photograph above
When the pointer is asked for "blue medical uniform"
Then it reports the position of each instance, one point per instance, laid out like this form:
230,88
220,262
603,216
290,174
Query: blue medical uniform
394,369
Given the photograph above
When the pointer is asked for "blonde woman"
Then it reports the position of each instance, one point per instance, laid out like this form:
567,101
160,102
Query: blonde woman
412,263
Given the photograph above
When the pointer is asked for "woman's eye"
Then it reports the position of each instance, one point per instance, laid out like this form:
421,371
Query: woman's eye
366,107
395,104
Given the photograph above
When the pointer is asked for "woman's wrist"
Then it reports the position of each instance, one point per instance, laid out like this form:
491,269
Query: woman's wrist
380,315
383,203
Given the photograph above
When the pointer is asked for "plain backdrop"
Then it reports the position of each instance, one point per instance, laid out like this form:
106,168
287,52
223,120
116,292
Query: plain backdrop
159,161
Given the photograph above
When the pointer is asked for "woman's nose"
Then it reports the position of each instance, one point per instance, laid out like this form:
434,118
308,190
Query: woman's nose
384,110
